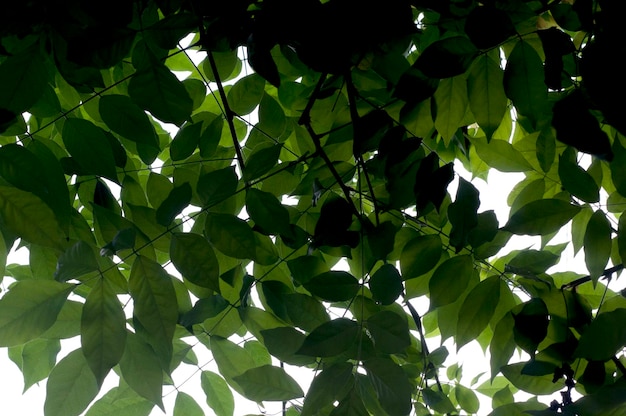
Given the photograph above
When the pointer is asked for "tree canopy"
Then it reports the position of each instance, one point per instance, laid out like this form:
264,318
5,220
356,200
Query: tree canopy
273,191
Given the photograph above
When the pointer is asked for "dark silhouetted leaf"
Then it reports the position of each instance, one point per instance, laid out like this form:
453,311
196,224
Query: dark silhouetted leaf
194,258
334,286
447,57
386,284
331,338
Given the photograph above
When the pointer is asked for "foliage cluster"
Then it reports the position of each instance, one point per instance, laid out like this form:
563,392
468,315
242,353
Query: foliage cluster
230,234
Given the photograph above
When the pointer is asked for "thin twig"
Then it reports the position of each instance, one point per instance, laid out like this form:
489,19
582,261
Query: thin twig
228,112
418,324
605,275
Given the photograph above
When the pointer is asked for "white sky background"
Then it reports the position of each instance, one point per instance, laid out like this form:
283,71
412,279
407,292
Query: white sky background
493,197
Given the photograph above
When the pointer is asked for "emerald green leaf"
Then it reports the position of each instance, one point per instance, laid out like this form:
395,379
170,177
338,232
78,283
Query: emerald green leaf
524,80
231,360
575,179
177,200
304,311
186,141
271,116
214,187
103,329
75,262
125,118
89,147
23,79
437,400
462,214
604,337
70,387
185,405
487,99
597,244
203,309
541,217
450,280
501,155
155,305
35,359
328,386
230,235
219,397
530,384
262,159
267,212
334,286
420,255
142,370
120,401
194,258
532,261
391,385
211,136
390,332
386,284
156,89
283,342
246,94
331,338
451,101
29,308
30,218
268,383
226,62
477,310
467,399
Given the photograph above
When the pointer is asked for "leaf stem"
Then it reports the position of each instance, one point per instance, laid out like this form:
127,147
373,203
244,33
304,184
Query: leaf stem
606,275
418,324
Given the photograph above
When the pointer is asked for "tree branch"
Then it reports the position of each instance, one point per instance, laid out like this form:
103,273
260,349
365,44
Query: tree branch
228,112
606,275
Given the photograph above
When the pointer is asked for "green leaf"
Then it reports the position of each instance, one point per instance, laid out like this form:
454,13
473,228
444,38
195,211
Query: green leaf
103,329
267,212
501,155
609,400
70,387
621,237
155,305
35,359
331,338
283,342
532,261
177,200
420,255
328,386
530,384
487,99
89,147
262,159
231,360
604,337
391,385
156,89
185,405
231,235
23,79
477,310
30,218
305,311
597,244
75,262
437,400
334,286
271,116
524,80
125,118
120,401
575,179
142,370
531,324
389,331
194,258
215,187
451,101
246,94
447,57
541,217
219,397
186,141
226,62
462,214
467,399
502,344
450,280
29,308
268,383
386,284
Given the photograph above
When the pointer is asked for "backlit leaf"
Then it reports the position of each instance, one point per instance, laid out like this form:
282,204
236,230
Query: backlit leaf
185,405
477,310
141,369
230,235
268,383
530,384
487,99
195,259
604,337
391,385
29,308
450,280
331,338
541,217
420,255
597,243
246,94
219,397
334,286
389,331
